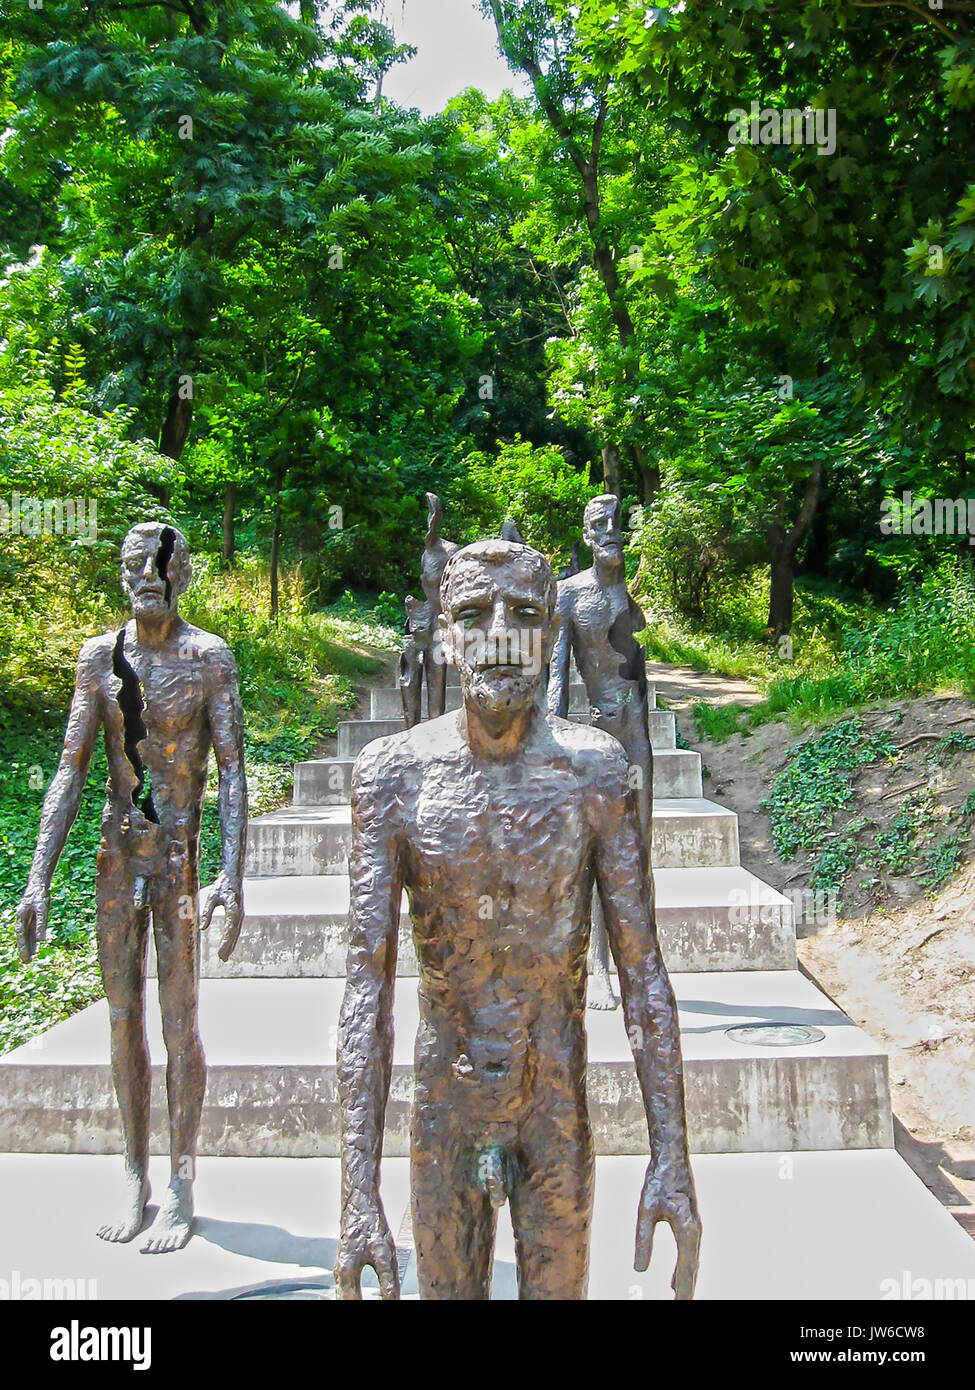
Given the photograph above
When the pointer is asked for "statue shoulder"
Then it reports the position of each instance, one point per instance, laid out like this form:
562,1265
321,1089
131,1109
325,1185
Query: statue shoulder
208,648
95,658
596,756
574,590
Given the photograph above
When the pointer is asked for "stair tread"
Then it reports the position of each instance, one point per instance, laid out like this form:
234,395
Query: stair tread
677,807
285,1022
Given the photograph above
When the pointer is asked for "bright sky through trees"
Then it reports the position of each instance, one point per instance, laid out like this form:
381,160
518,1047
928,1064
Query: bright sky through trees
456,47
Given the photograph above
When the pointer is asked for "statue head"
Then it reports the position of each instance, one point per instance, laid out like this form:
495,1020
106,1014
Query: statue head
602,529
156,568
498,621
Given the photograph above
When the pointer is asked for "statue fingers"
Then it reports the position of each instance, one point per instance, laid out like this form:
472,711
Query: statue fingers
687,1232
214,900
385,1264
26,931
348,1272
646,1223
230,937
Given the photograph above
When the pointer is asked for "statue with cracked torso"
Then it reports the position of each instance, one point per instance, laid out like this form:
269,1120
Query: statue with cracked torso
164,692
497,820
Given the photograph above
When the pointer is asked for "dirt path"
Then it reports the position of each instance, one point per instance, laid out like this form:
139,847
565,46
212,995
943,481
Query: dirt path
682,686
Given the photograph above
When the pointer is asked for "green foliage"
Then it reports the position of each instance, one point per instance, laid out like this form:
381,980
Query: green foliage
717,722
534,487
815,784
944,859
57,586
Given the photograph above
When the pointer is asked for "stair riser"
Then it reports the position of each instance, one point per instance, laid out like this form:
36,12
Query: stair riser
676,773
354,734
293,947
764,1104
294,847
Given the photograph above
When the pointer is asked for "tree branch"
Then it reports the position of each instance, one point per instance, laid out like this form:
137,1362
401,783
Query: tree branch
913,9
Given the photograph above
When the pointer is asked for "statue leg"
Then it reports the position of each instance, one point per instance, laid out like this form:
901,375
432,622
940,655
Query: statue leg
436,668
635,738
175,920
123,936
600,994
551,1202
410,682
453,1220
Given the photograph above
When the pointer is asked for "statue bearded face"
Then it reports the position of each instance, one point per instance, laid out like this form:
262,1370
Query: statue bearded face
498,623
602,531
155,569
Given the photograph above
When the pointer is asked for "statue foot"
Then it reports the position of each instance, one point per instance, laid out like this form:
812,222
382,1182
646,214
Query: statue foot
173,1225
601,994
129,1222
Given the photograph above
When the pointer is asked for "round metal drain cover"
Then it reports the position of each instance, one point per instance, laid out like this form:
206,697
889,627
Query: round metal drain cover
287,1293
775,1034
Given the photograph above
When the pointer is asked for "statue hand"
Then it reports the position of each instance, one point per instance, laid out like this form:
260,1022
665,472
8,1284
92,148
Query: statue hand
32,913
668,1195
224,894
366,1240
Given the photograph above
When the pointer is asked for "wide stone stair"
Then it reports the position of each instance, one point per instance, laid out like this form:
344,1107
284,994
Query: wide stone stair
269,1016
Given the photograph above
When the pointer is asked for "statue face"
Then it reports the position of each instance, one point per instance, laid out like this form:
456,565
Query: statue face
602,532
153,576
498,631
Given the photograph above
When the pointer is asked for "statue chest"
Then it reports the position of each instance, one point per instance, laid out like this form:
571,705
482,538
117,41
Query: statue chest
526,829
172,698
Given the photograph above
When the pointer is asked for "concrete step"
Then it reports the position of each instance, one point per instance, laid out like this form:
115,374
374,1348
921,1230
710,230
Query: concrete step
328,781
270,1046
809,1226
688,832
354,734
707,919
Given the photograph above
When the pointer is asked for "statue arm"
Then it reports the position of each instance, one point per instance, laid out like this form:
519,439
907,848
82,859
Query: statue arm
226,716
365,1043
625,886
557,697
64,794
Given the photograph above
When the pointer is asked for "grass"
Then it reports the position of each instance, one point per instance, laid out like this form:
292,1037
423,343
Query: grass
297,679
923,643
844,656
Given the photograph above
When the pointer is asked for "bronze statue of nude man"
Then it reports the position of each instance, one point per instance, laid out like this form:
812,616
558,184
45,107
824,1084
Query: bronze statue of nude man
599,619
164,692
497,819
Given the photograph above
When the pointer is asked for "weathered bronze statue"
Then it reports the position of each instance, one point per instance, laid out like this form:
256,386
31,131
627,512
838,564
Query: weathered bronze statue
164,693
497,819
422,653
599,619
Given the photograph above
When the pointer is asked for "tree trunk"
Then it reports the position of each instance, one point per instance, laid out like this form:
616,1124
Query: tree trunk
649,475
781,592
611,469
229,519
783,546
176,426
